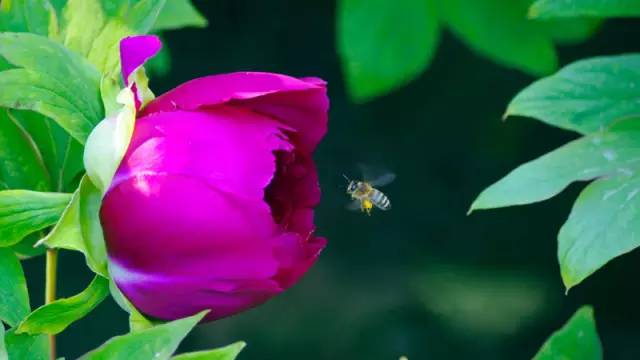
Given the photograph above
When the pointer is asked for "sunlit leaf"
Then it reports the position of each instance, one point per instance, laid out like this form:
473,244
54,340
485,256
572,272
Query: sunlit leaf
229,352
576,340
54,317
52,81
79,228
511,41
584,8
609,153
14,299
82,22
157,343
585,96
178,14
23,212
385,44
604,223
22,163
23,346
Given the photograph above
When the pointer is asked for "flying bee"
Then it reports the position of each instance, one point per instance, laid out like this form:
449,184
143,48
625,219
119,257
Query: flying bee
365,196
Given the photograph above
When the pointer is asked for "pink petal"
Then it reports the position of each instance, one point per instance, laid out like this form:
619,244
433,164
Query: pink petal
135,51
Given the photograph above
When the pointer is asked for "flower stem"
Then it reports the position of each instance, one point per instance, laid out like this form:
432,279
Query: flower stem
50,290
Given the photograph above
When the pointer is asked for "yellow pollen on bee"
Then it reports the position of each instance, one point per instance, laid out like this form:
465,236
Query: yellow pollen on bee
367,205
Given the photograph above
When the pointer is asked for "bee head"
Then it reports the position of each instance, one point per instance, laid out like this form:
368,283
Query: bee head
352,187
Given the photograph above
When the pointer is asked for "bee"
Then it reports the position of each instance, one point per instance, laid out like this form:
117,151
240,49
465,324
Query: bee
365,196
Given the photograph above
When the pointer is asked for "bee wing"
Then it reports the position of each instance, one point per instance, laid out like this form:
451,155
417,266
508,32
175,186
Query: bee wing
354,205
376,177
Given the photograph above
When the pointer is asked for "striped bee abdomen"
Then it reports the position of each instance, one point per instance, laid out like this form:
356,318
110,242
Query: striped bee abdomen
380,200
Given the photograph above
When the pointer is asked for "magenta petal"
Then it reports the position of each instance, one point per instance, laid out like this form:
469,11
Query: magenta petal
135,51
301,104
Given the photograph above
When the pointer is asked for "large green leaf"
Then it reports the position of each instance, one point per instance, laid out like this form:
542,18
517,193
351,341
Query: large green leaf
137,321
385,44
79,228
23,212
34,16
585,96
576,340
52,81
61,153
156,343
177,14
23,346
229,352
54,317
22,163
499,30
609,153
581,8
602,225
14,299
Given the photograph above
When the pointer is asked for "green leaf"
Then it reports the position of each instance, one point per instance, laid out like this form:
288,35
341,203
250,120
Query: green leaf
34,16
571,31
229,352
609,153
27,248
79,228
156,343
512,41
602,225
54,317
23,346
52,81
3,348
577,339
82,22
545,9
178,14
585,96
14,299
22,163
380,53
23,212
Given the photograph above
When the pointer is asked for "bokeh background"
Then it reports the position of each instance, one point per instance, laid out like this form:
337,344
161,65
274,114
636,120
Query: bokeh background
423,280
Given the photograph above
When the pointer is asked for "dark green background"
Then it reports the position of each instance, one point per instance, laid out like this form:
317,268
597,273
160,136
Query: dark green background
423,280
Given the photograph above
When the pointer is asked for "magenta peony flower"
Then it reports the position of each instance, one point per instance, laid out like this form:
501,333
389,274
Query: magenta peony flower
212,205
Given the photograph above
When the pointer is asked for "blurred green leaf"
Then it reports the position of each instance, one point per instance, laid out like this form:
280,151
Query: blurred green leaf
23,212
609,153
178,14
576,340
602,225
544,9
79,228
22,164
52,81
571,31
23,346
385,44
14,298
34,16
3,348
54,317
229,352
500,31
156,343
82,22
585,96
